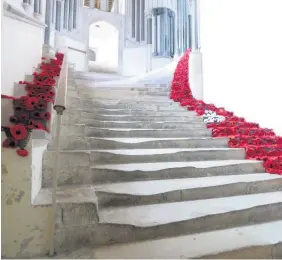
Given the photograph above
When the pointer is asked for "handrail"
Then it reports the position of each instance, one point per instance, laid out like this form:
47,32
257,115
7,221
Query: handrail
59,107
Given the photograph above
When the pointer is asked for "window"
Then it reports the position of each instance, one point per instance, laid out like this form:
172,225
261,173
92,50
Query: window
163,22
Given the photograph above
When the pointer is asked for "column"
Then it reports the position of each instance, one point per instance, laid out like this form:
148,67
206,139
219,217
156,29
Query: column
158,32
48,21
154,33
133,25
58,15
194,25
62,15
70,18
137,20
142,20
75,10
92,4
66,14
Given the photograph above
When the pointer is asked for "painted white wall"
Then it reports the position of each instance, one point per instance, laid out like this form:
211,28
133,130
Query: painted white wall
21,49
159,62
242,55
135,61
77,54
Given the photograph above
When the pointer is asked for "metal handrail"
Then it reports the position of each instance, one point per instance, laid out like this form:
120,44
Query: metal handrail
59,107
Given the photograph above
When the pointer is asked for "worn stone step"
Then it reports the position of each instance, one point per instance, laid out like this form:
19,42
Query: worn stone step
129,132
76,168
173,190
87,143
135,223
165,155
129,112
260,241
186,118
128,105
169,170
121,114
125,94
142,124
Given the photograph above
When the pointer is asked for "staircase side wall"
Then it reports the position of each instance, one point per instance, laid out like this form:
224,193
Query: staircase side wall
25,229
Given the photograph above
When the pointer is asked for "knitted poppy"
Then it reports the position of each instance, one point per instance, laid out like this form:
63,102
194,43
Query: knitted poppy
19,132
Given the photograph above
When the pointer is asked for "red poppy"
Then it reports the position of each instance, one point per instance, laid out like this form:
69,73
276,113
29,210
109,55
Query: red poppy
36,115
19,132
41,105
35,125
14,119
45,115
31,103
9,143
22,152
23,117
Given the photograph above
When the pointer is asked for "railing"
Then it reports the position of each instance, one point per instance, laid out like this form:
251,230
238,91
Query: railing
59,107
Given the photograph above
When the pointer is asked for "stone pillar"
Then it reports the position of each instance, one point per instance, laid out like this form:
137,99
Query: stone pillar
66,14
70,20
196,59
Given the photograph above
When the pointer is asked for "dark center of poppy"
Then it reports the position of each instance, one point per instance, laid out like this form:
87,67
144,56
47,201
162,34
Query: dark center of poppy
18,132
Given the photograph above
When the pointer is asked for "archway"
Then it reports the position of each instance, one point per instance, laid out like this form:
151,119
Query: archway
104,42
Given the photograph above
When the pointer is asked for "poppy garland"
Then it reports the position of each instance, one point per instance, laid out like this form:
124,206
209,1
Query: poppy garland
31,111
259,143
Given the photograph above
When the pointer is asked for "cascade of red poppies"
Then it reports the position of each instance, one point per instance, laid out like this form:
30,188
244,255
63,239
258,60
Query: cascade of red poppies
259,143
31,111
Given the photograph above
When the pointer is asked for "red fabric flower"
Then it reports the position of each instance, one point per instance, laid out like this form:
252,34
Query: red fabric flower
23,117
19,132
14,119
31,103
22,152
9,143
45,115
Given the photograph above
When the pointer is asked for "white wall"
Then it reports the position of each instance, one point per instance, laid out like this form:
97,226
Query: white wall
242,56
77,54
135,61
159,62
21,49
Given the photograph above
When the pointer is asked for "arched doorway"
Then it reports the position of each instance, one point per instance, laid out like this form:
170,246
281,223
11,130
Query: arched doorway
104,42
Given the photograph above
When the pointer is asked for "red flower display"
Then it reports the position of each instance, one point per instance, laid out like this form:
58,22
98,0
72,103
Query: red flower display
30,111
259,143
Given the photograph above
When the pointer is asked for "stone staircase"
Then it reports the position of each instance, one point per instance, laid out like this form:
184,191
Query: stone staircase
142,177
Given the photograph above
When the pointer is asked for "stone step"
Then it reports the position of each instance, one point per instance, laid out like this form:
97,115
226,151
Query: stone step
260,241
174,190
161,133
143,124
124,156
77,170
169,170
165,155
94,112
128,105
135,223
186,118
88,143
145,100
